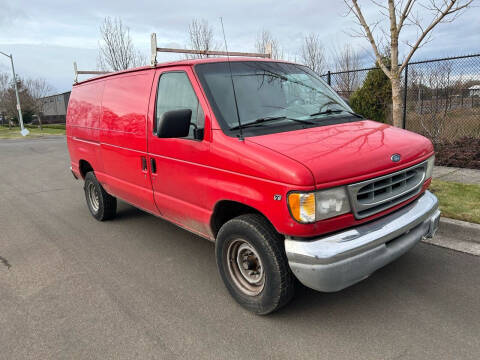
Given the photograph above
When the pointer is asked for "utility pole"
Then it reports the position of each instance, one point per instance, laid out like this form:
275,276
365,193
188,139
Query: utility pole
23,131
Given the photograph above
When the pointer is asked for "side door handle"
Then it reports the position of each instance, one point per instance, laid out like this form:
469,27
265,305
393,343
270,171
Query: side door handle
144,163
153,165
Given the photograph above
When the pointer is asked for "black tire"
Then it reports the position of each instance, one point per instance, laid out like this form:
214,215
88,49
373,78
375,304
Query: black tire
254,231
102,205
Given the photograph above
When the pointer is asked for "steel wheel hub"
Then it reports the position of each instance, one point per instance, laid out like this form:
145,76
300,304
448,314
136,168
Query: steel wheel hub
93,197
245,267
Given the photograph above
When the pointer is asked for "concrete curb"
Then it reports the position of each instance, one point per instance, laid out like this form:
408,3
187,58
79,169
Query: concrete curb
457,235
465,230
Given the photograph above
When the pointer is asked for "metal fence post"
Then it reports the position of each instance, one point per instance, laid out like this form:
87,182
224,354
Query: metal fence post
404,122
329,79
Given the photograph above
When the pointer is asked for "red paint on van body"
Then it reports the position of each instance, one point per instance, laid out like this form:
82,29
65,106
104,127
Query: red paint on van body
110,127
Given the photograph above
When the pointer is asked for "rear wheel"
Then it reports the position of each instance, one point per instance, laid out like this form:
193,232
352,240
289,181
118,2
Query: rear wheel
102,205
253,265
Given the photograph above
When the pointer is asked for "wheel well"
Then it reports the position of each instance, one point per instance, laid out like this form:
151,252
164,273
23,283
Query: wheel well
84,167
226,210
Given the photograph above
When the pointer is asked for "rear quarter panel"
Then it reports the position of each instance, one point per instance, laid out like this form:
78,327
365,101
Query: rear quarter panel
83,124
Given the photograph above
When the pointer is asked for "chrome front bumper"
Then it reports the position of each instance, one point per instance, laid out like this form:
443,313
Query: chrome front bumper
334,262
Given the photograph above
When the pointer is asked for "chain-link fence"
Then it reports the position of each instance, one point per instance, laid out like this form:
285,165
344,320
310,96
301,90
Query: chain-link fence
346,83
441,99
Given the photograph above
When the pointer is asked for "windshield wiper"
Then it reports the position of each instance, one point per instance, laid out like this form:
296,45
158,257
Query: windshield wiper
260,121
330,111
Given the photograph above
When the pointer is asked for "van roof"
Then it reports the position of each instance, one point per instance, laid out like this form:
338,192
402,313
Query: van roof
186,62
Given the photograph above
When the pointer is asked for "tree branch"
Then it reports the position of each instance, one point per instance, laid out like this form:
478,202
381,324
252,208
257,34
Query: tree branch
405,14
442,13
361,19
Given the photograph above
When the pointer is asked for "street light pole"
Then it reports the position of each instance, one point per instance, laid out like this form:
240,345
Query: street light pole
24,131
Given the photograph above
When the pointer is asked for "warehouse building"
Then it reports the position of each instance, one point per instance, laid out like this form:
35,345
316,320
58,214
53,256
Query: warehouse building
55,108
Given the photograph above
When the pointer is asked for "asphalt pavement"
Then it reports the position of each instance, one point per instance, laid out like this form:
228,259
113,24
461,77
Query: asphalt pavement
141,288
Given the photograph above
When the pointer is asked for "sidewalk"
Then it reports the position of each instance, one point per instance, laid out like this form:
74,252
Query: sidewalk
460,175
455,234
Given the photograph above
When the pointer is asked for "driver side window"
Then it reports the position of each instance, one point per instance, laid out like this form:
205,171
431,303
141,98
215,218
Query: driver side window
176,92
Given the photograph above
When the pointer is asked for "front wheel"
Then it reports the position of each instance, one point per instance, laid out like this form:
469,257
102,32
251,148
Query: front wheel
253,265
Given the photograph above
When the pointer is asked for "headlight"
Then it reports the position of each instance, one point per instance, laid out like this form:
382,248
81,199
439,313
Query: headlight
430,163
331,202
320,205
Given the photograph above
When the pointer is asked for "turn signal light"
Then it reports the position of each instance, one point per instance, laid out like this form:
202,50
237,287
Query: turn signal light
302,206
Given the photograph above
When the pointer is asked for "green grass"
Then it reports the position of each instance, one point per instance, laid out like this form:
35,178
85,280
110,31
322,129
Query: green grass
54,126
47,130
458,201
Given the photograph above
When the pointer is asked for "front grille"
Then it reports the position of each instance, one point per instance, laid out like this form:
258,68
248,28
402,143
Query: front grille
372,196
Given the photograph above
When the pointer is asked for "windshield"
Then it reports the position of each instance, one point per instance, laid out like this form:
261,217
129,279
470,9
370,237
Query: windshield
281,93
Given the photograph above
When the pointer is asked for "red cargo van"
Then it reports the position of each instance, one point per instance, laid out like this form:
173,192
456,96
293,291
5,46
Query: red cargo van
263,158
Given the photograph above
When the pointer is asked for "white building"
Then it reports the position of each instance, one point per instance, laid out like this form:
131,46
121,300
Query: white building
474,90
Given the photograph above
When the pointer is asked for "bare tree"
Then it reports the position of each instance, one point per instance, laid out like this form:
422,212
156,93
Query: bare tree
201,38
38,89
267,44
312,53
116,50
8,99
4,85
346,60
4,82
401,13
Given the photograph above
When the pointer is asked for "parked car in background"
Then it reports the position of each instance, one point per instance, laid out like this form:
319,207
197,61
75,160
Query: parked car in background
261,157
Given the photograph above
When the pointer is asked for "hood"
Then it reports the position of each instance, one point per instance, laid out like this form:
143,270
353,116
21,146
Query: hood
337,153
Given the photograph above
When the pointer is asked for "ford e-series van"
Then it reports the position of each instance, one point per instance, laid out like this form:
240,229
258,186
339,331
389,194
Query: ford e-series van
261,157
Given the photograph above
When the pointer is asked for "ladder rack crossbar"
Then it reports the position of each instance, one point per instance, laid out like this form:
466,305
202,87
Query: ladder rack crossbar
155,49
86,72
213,52
92,72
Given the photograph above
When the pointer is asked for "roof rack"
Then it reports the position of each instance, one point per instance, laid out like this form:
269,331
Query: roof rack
89,72
155,49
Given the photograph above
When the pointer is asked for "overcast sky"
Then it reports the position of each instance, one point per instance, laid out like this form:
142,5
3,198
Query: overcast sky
46,36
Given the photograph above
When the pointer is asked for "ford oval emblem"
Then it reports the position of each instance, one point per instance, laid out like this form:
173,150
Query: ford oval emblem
396,157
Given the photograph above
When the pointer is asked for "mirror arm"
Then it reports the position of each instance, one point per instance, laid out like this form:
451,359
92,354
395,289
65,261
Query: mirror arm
198,134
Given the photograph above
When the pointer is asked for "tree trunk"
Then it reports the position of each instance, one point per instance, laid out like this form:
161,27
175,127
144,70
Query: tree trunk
40,122
397,110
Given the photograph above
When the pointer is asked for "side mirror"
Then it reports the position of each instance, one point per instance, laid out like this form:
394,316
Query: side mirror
174,124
